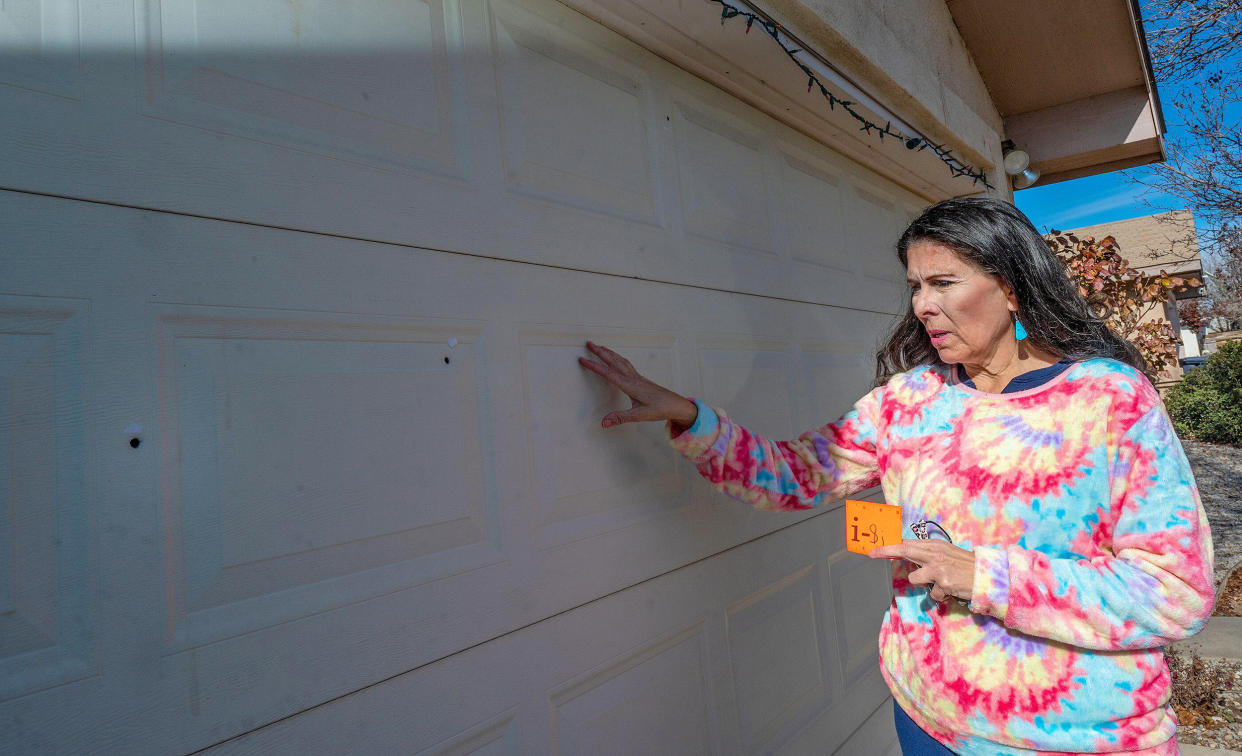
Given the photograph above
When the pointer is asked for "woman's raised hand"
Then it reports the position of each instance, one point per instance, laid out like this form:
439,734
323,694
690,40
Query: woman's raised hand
648,401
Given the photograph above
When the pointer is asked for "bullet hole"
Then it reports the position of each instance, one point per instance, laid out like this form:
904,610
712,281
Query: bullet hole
135,442
446,360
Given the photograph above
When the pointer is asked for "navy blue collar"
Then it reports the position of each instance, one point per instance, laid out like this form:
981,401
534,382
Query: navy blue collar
1027,380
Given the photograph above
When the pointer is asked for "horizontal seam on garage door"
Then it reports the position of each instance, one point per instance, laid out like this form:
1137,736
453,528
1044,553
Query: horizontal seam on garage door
888,701
407,245
514,630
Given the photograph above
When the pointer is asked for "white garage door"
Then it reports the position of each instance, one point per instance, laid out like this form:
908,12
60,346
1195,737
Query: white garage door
294,452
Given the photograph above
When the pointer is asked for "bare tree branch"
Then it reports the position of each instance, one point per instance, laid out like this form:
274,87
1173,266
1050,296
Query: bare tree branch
1185,37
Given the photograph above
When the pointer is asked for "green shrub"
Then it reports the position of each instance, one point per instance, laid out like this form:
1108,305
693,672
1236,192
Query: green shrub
1207,404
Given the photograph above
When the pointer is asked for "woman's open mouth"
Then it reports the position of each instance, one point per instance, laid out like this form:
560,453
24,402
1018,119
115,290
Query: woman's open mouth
937,337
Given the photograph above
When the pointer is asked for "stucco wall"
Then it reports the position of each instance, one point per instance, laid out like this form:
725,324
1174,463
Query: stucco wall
909,55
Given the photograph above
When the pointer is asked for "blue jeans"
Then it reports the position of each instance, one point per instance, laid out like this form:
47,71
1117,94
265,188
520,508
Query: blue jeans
915,742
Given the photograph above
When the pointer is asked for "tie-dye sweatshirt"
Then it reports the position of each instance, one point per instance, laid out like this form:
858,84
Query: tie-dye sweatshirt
1092,549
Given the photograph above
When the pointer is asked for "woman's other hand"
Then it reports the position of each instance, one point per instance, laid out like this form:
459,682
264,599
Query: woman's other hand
648,401
949,570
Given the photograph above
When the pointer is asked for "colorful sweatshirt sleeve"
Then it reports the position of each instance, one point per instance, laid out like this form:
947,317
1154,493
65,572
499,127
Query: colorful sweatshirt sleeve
819,466
1154,583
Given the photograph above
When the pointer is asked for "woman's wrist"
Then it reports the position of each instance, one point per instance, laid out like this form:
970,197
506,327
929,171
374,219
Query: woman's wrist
689,414
685,417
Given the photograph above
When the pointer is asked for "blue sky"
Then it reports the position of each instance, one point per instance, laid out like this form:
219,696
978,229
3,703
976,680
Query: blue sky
1089,200
1101,198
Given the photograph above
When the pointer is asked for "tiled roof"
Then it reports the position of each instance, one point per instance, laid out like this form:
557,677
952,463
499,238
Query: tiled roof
1152,242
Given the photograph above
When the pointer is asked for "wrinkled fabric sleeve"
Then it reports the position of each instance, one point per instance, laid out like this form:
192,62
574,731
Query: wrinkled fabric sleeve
1156,584
819,466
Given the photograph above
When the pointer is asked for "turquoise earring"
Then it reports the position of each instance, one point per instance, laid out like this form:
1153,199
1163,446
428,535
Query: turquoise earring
1018,330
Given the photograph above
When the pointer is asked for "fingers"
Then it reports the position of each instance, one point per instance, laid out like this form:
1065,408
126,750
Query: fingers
632,415
620,373
904,550
946,569
615,369
652,402
610,358
923,576
886,552
946,575
608,373
915,550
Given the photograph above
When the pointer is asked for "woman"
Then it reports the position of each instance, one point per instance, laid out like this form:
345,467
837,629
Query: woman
1009,419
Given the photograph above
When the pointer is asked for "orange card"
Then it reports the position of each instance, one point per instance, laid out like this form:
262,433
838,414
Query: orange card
869,524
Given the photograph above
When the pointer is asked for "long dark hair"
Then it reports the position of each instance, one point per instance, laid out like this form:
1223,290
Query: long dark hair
998,238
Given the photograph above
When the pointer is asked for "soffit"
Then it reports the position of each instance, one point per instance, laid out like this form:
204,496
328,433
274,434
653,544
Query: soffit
1071,79
1035,54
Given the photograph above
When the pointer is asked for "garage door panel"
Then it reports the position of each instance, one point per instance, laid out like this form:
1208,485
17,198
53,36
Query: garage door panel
257,616
839,241
39,39
879,225
495,737
724,193
753,379
834,376
549,152
220,689
516,129
860,597
292,461
781,663
652,700
664,680
875,736
47,626
812,218
589,481
315,76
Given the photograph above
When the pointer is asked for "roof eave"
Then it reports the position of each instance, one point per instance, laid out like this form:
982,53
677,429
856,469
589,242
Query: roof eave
1071,126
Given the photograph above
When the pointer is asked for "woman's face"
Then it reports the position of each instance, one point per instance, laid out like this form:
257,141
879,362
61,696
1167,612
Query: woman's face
965,310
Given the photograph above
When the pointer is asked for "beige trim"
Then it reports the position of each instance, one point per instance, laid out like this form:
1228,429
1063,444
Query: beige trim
756,71
1113,130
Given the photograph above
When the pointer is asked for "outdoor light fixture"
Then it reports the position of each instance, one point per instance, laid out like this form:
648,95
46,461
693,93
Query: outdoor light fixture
1025,178
1018,164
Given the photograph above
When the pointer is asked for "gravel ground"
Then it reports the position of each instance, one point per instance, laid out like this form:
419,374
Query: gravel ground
1218,472
1217,724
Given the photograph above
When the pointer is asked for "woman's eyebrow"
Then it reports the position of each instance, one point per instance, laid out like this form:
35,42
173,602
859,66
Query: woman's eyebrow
931,276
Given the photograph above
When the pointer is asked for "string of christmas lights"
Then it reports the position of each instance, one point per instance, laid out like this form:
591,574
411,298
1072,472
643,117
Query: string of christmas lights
773,29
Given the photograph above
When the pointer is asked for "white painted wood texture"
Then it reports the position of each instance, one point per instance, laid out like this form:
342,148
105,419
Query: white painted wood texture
734,654
326,493
516,129
361,461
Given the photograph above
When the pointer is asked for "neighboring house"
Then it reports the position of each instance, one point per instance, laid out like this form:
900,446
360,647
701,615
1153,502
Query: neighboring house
1217,331
1213,339
297,457
1160,242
